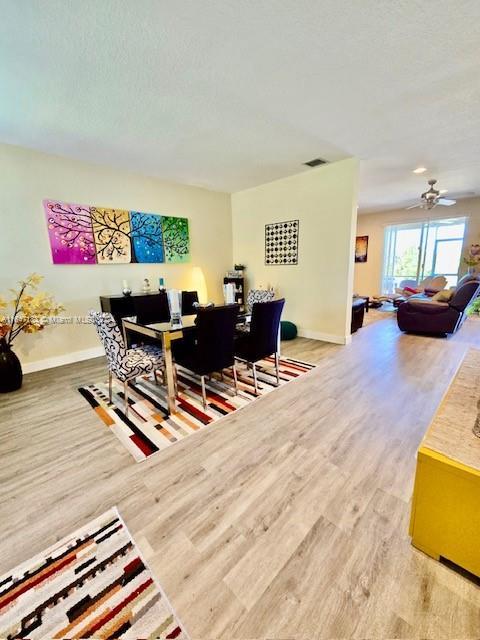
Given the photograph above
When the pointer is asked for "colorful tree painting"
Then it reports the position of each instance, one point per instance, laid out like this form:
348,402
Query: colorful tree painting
111,230
89,235
146,236
176,239
70,232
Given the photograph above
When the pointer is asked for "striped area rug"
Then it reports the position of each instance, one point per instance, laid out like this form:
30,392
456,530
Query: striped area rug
92,584
149,428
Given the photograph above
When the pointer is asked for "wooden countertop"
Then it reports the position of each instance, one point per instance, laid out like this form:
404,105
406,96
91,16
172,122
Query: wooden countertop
450,432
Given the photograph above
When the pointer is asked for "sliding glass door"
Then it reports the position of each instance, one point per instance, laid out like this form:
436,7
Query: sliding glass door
417,250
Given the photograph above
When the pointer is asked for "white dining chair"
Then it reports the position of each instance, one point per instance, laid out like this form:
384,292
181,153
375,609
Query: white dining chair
259,295
123,363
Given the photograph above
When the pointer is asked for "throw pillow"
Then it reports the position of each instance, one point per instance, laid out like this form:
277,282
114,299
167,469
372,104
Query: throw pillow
443,296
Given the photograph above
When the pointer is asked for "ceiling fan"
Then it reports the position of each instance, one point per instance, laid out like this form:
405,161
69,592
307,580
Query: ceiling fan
430,198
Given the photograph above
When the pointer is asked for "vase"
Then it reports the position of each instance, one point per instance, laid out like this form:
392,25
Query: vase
10,369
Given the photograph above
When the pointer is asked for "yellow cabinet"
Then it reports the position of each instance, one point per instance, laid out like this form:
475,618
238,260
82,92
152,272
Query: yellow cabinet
445,520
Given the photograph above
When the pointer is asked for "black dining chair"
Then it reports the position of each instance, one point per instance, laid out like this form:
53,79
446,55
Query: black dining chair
189,298
213,347
262,339
152,308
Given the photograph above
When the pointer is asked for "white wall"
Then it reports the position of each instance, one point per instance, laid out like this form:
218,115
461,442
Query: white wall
318,290
27,177
368,274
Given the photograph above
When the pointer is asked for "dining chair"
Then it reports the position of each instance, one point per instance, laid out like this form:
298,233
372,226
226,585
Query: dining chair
262,339
189,298
259,295
151,308
213,346
124,364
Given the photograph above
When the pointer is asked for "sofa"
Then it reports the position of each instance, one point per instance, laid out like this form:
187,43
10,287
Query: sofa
437,316
407,288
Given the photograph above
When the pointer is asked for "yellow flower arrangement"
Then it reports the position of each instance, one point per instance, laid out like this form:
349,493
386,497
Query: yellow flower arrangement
31,312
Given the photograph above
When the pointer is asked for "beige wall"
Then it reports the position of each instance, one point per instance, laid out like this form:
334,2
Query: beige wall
368,275
317,290
27,177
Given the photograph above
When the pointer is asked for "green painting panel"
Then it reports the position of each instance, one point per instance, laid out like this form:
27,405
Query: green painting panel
176,239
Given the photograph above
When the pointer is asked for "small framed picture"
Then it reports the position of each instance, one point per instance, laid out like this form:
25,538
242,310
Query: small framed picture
361,248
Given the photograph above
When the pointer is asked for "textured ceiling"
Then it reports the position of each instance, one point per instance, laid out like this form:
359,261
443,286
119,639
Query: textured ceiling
229,94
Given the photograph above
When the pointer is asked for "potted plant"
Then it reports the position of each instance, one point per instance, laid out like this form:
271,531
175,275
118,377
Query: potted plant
472,259
474,308
30,312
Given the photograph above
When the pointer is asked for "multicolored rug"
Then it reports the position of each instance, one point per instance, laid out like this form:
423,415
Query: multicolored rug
149,428
92,584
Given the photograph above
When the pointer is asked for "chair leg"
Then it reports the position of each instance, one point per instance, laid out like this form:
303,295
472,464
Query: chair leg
235,380
204,393
110,379
164,375
277,368
125,394
254,369
175,380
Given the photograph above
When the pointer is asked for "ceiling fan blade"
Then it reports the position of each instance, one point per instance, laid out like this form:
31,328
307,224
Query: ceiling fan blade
446,202
413,206
462,194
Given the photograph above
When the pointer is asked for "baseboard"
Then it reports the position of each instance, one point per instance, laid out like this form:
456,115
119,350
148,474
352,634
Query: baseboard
67,358
96,352
324,337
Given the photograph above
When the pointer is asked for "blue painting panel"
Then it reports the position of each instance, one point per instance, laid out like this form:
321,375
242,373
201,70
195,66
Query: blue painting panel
147,237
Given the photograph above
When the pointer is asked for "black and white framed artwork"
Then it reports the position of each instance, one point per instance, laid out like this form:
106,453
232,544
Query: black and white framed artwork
281,242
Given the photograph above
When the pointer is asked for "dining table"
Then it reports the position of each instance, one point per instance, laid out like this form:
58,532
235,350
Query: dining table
165,333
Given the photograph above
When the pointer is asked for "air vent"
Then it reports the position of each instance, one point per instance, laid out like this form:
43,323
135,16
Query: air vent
315,162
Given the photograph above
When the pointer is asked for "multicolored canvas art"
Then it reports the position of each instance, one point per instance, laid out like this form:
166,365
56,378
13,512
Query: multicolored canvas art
111,231
71,234
147,236
176,239
82,234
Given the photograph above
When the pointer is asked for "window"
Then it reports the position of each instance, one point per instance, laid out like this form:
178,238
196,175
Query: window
421,249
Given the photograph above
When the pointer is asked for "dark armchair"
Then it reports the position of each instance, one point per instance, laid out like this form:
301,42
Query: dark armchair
420,314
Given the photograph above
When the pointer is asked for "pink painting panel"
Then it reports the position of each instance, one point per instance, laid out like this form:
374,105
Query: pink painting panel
70,233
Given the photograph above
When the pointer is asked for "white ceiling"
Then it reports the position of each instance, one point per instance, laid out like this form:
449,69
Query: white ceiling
229,94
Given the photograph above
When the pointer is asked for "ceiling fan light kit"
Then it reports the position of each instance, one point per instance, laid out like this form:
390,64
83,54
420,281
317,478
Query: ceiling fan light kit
432,197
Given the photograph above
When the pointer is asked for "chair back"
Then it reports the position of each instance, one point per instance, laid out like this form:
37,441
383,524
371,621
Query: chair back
433,282
264,328
151,308
110,336
465,294
259,295
468,277
215,337
188,300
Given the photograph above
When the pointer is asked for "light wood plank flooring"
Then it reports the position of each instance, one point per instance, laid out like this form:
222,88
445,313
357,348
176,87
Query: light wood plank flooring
288,520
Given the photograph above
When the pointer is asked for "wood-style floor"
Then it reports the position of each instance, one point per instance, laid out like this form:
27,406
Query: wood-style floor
288,520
